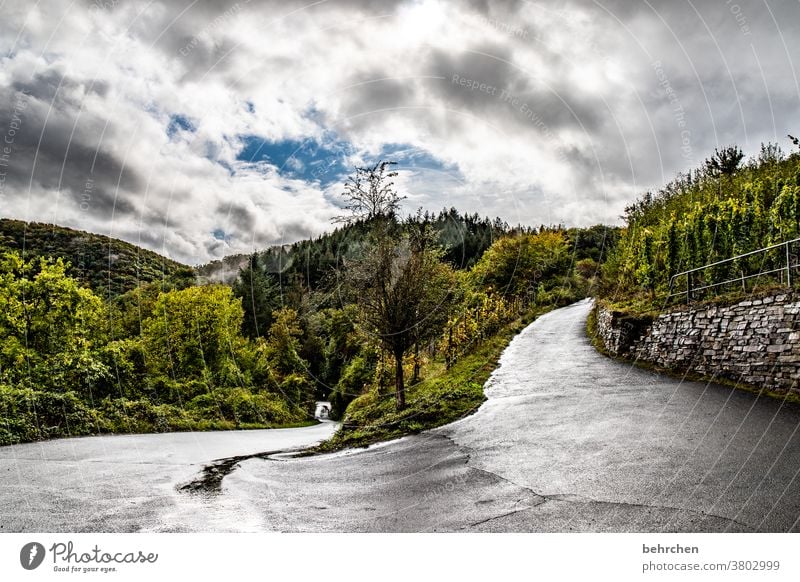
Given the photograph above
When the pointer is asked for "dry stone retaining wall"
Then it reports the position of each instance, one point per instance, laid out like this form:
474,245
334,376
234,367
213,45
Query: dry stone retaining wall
756,342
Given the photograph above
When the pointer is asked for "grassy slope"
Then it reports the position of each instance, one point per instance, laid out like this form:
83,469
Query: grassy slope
441,397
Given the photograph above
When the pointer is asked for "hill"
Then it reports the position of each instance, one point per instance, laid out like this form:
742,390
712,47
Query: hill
107,265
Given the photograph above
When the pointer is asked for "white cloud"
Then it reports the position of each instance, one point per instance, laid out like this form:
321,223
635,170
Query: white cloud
573,119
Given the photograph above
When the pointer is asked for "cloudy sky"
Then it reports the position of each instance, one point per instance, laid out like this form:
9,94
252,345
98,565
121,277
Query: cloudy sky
200,128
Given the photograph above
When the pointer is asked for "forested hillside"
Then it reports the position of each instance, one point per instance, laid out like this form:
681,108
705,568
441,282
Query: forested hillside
726,207
464,238
106,265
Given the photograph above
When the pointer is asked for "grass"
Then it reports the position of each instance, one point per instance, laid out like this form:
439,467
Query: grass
441,397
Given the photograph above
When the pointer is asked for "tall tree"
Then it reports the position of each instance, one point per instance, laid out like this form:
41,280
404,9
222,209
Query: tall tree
260,294
50,326
404,292
399,279
194,334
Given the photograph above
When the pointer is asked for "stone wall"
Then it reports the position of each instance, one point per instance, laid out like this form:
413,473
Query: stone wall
756,342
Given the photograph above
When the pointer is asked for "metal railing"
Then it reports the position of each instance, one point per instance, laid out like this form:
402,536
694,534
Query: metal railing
692,275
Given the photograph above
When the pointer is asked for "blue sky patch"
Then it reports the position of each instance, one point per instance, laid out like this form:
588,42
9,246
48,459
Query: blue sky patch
326,161
310,160
179,123
409,157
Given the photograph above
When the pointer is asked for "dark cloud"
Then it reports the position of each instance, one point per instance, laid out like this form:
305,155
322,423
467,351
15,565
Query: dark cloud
486,80
375,93
57,148
243,219
53,86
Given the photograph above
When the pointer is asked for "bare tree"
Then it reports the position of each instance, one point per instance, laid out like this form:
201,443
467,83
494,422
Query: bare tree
369,193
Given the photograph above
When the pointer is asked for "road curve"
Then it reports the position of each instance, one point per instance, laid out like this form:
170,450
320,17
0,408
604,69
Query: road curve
129,483
568,440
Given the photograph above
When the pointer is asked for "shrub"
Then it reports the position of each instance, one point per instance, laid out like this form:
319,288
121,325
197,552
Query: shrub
31,415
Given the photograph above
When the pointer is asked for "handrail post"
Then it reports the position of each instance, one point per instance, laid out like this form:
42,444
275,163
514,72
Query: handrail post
788,268
688,287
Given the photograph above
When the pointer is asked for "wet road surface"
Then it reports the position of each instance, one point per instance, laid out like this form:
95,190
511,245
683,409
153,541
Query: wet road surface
568,441
131,483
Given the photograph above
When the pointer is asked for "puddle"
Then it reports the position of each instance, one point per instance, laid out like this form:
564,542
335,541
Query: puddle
210,480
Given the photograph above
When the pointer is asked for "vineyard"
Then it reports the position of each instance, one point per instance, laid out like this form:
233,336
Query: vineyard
722,209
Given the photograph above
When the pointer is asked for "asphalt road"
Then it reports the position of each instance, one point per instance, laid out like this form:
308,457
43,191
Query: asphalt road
130,483
567,441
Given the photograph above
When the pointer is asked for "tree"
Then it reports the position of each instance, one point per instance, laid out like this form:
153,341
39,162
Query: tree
404,292
369,193
283,343
725,161
260,294
290,370
399,280
515,264
194,334
50,326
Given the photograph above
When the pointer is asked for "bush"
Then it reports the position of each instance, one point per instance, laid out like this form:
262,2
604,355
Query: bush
241,407
31,415
139,416
358,374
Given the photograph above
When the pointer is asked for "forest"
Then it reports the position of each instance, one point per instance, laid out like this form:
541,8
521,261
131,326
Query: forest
396,320
726,207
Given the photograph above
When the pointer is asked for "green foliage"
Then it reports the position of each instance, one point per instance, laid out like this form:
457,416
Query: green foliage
260,294
725,161
48,327
515,265
357,376
283,344
243,407
28,415
194,334
179,363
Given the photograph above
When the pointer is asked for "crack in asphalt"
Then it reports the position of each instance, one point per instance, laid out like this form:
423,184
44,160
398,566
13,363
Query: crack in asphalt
502,515
575,498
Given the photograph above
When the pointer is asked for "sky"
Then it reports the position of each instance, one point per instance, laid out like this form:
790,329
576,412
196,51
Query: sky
201,129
